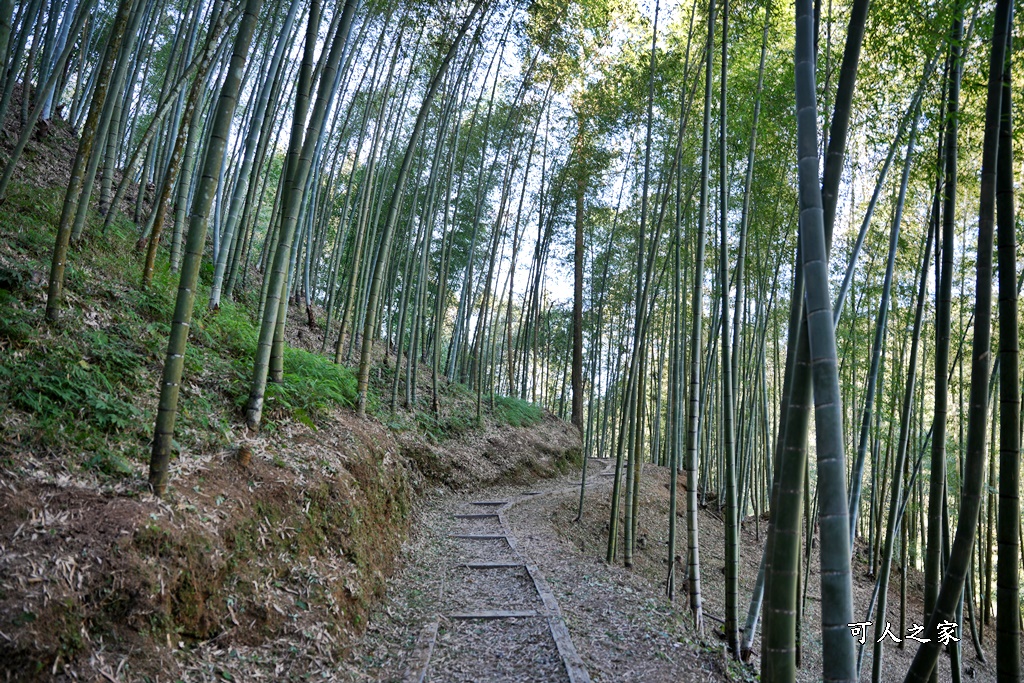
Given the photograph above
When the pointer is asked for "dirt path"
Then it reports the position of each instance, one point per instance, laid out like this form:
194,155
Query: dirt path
504,623
490,592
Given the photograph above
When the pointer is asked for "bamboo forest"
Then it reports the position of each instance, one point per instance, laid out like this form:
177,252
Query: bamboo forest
510,340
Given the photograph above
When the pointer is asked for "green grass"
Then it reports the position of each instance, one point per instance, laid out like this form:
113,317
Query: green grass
450,425
86,380
458,414
516,411
311,385
88,384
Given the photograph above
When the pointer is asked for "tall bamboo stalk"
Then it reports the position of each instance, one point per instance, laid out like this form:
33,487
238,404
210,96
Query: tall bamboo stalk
167,410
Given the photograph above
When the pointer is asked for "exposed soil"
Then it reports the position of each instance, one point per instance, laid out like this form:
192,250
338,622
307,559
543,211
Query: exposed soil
243,571
620,621
94,581
619,624
50,154
497,650
651,561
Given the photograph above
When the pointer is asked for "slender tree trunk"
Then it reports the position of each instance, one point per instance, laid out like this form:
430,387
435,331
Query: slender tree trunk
577,289
262,105
384,248
301,186
162,201
696,340
301,150
173,365
974,462
836,584
60,251
732,551
141,157
946,248
896,496
876,348
1007,583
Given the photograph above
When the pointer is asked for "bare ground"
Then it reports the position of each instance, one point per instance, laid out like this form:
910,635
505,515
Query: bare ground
620,621
256,572
651,560
619,624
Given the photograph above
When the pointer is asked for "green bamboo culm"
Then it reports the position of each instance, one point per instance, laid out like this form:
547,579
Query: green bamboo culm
754,607
55,291
945,250
896,488
838,657
779,653
384,247
977,412
45,90
327,69
160,206
878,342
300,154
782,548
251,145
732,551
693,418
1008,540
167,409
200,65
6,25
103,131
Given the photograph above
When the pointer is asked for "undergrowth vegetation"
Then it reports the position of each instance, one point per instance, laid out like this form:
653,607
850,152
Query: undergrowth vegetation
88,383
516,411
86,387
281,541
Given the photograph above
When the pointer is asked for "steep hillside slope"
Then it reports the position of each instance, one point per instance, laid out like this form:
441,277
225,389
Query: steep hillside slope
287,536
